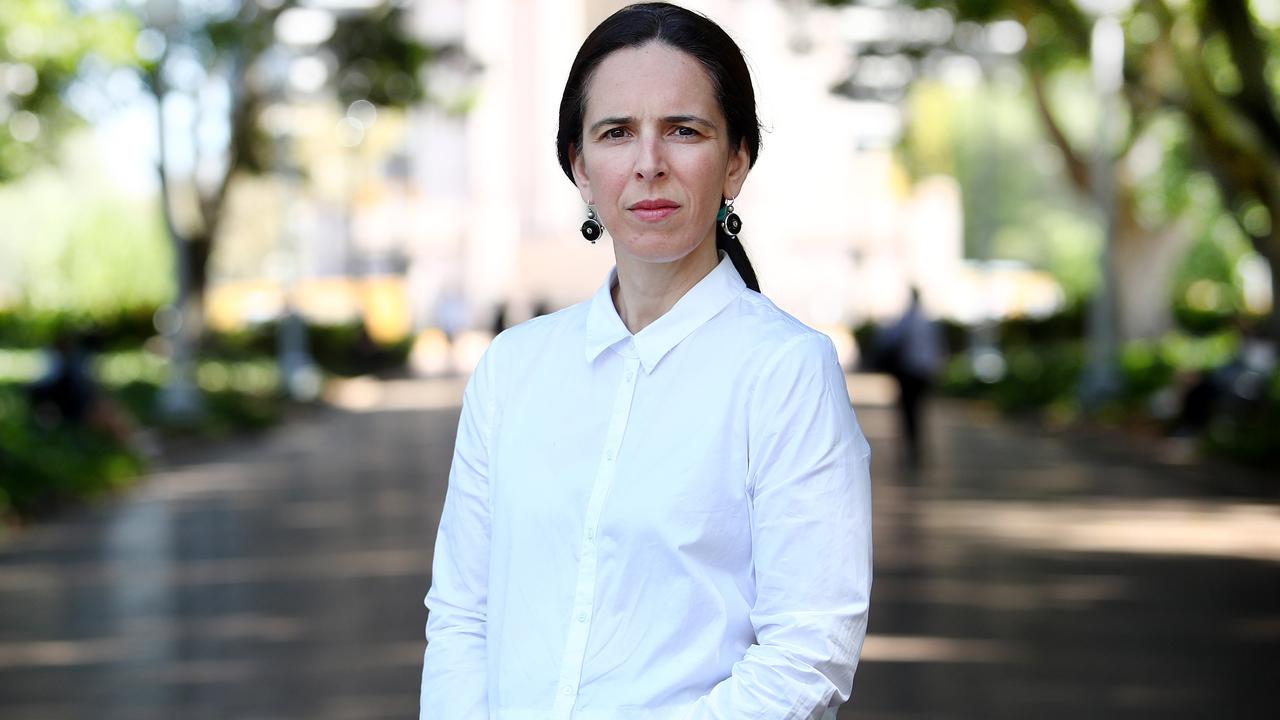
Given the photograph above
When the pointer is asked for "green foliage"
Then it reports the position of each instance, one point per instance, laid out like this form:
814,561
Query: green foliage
1043,374
45,470
1035,378
1202,109
984,136
379,60
347,350
1144,371
46,44
227,411
1251,433
1164,176
341,349
1206,293
376,58
98,251
1149,366
111,328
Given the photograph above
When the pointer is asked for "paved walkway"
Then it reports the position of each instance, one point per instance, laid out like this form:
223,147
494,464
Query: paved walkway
1019,575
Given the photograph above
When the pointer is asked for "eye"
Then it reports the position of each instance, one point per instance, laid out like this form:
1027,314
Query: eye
615,133
686,131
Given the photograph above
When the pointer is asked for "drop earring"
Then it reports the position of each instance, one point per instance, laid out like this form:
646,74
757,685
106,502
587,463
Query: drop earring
729,220
591,229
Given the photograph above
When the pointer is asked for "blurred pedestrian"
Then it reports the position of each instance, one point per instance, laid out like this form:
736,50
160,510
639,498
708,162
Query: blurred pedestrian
499,319
1236,388
452,313
66,391
911,350
659,499
67,395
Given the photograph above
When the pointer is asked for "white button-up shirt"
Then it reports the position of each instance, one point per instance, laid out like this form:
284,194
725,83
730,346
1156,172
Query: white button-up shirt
670,525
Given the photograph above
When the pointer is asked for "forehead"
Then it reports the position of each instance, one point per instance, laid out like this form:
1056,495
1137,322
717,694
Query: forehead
654,79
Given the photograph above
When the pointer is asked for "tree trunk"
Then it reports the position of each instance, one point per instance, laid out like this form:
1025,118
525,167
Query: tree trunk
1145,262
199,248
1273,320
180,399
1270,249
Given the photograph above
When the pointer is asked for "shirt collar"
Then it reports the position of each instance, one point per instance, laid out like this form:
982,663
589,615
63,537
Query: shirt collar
701,303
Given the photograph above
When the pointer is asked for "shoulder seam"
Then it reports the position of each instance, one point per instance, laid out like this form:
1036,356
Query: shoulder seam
777,354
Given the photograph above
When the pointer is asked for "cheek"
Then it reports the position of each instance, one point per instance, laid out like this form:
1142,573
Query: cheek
607,175
703,166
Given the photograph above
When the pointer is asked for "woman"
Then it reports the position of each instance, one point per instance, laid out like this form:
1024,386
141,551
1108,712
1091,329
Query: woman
659,502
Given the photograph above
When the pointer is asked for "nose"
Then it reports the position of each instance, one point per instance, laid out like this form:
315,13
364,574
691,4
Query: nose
651,162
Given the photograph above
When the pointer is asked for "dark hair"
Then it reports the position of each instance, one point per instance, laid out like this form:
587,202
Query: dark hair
706,42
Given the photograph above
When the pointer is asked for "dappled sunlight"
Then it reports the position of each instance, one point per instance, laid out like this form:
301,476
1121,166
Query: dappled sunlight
330,566
57,653
871,389
932,649
1144,527
236,481
159,580
316,514
369,395
1004,594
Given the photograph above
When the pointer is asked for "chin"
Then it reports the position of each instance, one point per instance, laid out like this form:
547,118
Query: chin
656,249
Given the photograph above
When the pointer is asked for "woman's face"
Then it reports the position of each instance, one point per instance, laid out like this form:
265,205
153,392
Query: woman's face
655,157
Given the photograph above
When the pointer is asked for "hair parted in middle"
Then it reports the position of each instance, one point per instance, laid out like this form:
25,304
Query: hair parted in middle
689,32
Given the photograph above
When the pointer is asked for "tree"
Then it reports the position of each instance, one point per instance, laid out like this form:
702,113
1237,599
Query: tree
1203,63
239,49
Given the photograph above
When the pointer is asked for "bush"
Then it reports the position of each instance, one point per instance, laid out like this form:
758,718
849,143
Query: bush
28,329
343,349
1249,431
45,470
227,412
1036,378
1144,371
348,350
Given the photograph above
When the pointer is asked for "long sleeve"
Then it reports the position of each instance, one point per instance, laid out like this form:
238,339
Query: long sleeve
454,677
809,479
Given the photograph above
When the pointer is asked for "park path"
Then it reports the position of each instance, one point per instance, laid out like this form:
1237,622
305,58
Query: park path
1018,575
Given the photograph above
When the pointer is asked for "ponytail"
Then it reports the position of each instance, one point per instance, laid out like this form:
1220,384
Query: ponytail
732,247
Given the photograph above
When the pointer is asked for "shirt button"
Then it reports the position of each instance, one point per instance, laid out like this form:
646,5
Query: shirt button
566,690
630,376
582,617
591,533
608,455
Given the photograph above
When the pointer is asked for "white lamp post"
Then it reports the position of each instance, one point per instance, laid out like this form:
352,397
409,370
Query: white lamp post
995,45
1101,379
299,30
179,398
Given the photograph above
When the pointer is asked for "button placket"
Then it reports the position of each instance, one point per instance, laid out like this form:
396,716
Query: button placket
584,594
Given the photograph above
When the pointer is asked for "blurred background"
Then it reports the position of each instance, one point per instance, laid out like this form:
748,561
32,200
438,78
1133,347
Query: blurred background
251,249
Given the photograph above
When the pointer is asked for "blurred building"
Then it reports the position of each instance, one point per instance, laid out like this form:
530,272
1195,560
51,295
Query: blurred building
472,212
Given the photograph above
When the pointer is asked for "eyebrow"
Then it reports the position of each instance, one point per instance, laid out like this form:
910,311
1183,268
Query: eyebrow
670,120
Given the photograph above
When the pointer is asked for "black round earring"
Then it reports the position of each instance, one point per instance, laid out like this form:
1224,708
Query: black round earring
729,219
591,229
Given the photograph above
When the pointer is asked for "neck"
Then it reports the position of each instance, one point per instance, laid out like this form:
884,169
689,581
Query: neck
646,291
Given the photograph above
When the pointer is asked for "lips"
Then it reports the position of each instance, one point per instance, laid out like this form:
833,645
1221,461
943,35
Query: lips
654,210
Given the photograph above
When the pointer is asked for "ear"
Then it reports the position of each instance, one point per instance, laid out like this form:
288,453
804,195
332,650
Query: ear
736,171
579,167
